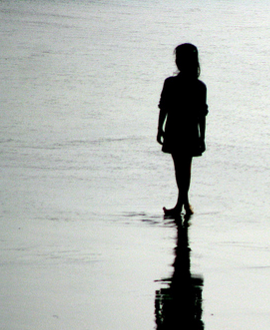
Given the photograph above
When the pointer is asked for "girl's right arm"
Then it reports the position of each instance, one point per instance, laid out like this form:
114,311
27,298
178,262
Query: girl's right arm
163,104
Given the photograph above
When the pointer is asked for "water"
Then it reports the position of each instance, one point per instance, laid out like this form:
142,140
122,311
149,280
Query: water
83,181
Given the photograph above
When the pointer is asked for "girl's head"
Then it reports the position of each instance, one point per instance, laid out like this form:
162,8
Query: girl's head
187,60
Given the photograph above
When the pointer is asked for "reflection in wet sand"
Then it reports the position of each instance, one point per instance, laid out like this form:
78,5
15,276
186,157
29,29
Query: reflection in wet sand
179,306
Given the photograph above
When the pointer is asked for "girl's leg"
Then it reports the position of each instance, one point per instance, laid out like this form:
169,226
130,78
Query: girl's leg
182,165
186,187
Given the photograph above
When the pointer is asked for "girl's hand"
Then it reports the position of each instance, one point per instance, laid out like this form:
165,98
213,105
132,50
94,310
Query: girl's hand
160,137
202,145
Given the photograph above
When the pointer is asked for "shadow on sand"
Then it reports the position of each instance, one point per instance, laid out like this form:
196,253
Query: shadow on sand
179,305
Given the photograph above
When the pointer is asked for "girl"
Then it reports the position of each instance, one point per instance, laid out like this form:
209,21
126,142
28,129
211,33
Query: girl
183,110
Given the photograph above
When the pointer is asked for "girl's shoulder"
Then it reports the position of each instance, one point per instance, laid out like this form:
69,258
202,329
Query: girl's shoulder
181,81
171,79
170,83
201,84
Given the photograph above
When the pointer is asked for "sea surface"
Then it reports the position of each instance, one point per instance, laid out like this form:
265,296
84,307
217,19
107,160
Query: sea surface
83,242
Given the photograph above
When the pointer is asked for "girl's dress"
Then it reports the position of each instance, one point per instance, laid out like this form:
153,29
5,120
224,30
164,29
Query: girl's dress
184,102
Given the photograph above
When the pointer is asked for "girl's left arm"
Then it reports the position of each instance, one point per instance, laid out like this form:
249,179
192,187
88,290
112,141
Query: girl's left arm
202,120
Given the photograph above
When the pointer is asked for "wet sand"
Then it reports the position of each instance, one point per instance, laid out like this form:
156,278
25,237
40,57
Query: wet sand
107,274
83,241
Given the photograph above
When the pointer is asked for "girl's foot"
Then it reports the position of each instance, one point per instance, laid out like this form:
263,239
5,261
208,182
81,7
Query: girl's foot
171,212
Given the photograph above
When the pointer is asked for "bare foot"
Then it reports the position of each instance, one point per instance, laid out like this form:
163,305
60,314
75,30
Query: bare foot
171,212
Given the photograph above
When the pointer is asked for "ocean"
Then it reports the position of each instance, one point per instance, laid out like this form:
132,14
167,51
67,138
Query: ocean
83,182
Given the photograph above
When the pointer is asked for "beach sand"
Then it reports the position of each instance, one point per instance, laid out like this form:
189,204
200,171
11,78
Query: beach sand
105,272
83,242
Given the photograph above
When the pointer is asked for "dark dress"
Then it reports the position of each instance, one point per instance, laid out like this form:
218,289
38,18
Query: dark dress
184,102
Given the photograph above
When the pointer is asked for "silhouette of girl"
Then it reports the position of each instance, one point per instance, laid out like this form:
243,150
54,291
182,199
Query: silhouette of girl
183,110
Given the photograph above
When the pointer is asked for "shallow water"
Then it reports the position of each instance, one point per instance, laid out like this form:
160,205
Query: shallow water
83,181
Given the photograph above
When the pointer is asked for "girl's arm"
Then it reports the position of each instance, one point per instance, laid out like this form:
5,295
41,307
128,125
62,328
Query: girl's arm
161,121
202,127
202,121
202,133
163,104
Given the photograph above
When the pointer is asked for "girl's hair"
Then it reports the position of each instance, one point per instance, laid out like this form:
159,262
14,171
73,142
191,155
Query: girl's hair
187,60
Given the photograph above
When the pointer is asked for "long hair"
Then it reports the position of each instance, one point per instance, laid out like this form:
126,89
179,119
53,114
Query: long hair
187,60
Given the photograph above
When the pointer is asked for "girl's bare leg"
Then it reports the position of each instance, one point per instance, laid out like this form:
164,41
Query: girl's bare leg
182,165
